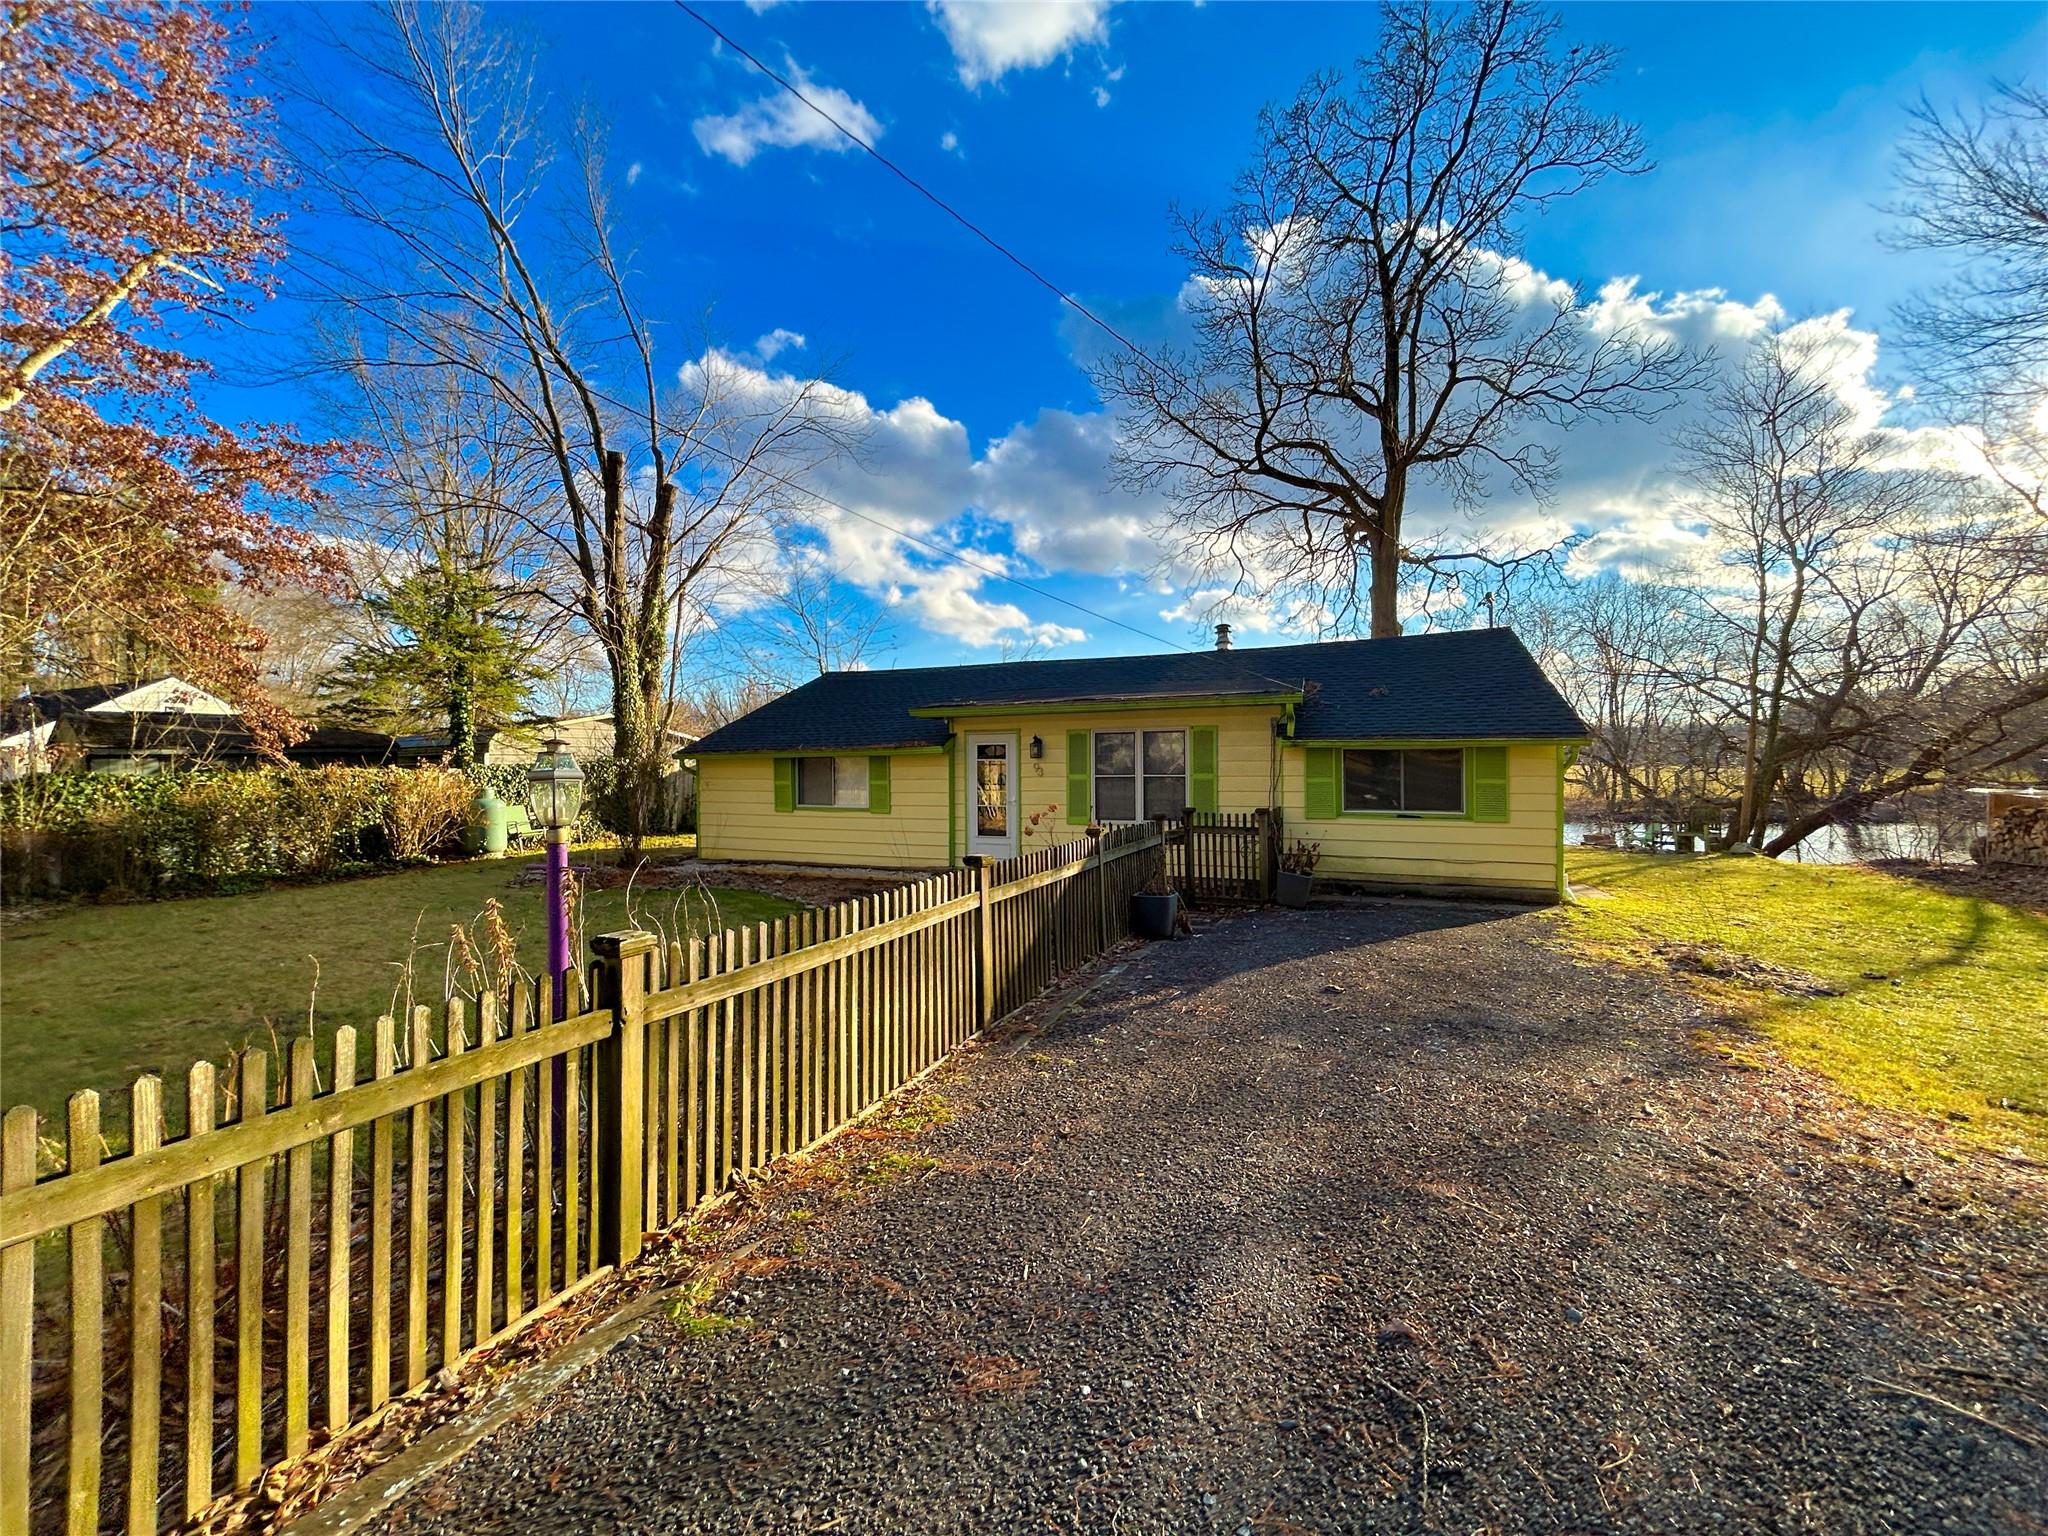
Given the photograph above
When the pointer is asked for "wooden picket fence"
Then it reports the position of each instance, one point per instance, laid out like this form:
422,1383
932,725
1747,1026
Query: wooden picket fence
294,1258
1223,857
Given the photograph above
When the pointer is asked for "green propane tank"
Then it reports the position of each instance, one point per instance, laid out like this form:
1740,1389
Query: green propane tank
485,832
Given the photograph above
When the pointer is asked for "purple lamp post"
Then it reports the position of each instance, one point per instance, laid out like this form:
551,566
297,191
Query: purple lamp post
554,794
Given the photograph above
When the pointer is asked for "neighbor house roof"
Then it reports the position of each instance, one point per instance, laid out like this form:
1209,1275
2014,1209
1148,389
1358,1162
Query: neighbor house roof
31,709
1479,684
220,738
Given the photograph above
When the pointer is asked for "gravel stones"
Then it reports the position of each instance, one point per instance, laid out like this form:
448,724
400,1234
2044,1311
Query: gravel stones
1223,1249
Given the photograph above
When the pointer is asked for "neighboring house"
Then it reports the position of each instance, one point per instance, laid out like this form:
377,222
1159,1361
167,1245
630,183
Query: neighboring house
1430,762
154,727
29,723
517,744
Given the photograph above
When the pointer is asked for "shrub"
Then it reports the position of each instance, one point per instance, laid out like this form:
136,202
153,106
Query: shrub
425,811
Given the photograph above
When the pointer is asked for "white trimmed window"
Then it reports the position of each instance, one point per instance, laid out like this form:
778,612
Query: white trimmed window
832,783
1140,774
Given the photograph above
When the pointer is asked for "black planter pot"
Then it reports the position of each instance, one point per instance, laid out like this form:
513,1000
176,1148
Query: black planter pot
1291,889
1152,917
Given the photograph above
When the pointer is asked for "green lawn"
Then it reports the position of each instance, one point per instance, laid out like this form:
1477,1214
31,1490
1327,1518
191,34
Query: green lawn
93,996
1944,996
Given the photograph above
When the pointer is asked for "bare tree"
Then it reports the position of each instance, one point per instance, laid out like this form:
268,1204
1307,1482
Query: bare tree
1363,324
806,623
1975,185
441,524
1864,624
1796,493
472,245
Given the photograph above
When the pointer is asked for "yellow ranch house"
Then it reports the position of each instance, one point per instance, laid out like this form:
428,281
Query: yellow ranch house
1427,763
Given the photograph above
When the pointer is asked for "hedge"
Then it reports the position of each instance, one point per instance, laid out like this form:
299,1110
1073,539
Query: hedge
110,834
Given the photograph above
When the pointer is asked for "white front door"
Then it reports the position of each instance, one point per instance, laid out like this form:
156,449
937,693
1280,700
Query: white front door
992,796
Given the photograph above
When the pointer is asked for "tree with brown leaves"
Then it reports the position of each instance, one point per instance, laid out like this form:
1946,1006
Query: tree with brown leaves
132,162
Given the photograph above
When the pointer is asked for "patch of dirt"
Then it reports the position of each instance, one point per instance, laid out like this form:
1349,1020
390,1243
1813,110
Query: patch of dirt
1385,1219
2016,885
1723,965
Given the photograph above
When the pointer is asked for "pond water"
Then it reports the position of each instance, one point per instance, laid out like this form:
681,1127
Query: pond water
1830,845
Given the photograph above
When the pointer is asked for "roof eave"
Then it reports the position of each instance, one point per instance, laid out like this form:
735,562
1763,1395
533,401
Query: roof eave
1100,701
822,749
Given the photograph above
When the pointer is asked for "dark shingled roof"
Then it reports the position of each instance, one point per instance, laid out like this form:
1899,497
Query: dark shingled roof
1465,685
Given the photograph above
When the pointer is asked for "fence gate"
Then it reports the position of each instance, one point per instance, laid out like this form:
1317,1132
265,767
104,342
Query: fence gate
1223,857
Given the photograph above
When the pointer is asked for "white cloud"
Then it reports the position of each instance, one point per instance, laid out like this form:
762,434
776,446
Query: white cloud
949,141
916,472
991,39
633,173
780,121
779,340
1101,96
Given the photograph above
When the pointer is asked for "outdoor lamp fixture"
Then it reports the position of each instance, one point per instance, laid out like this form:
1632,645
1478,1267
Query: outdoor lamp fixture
554,794
1037,747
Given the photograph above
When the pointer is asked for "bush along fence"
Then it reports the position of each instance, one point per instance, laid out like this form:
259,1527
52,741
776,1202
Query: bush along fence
105,834
175,1320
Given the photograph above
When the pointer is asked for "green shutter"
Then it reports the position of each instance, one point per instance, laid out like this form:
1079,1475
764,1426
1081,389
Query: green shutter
1202,767
1488,767
1319,784
878,785
785,784
1080,781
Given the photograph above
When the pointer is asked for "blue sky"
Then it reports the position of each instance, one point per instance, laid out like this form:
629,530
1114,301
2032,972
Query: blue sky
1070,134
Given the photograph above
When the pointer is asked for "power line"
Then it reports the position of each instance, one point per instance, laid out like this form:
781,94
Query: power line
778,478
912,182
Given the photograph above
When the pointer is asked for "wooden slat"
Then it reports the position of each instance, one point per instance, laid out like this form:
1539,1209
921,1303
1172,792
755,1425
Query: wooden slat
694,1137
518,1022
487,1033
251,1196
652,1058
593,1144
384,1064
17,1341
545,1113
671,1111
87,1287
786,934
764,1021
418,1167
727,1040
199,1300
572,1169
748,1059
145,1315
454,1164
298,1262
341,1193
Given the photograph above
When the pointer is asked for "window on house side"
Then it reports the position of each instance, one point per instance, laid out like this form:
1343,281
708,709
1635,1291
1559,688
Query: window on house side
1140,774
823,782
1416,780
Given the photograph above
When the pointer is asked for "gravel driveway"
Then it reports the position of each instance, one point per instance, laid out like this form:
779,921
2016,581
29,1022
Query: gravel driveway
1394,1219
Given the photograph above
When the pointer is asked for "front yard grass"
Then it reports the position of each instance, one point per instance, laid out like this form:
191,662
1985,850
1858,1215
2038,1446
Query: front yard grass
1942,999
93,996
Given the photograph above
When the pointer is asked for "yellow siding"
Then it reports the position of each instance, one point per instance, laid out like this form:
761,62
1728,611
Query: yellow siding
737,819
1245,763
1520,852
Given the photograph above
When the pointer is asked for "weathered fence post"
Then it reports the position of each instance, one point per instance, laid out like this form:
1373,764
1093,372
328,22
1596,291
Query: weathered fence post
985,948
1101,888
621,1073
